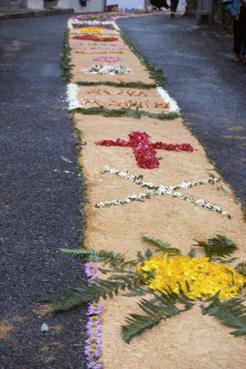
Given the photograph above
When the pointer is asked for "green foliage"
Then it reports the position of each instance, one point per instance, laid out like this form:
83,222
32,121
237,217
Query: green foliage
83,187
160,308
75,297
231,313
102,288
105,257
241,268
219,246
124,112
120,277
66,60
162,246
120,84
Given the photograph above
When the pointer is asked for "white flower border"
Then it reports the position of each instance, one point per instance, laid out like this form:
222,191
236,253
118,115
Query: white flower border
159,190
174,108
72,96
73,102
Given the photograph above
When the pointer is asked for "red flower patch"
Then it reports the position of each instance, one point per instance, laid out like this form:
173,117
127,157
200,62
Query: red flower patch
144,150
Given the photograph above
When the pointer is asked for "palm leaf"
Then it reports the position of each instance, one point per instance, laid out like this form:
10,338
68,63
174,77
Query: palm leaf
220,246
241,268
162,246
160,308
231,313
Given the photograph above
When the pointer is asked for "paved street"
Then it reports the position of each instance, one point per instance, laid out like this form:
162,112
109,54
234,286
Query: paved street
39,197
208,85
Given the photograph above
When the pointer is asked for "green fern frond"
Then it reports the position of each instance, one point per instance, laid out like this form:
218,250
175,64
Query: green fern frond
220,246
105,257
231,313
75,297
241,268
102,288
160,308
162,246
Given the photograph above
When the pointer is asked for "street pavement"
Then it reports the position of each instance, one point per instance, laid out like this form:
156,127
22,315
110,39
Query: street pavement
207,83
40,196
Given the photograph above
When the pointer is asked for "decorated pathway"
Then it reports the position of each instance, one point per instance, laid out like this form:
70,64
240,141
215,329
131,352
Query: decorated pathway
148,177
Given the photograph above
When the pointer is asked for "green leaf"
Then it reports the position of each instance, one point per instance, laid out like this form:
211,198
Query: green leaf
160,308
241,268
76,297
220,246
105,257
231,313
162,246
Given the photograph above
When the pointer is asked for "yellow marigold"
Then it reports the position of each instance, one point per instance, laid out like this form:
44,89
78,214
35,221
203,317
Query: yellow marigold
196,277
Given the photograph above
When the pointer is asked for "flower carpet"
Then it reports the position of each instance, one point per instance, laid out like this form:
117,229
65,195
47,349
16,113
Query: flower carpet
132,152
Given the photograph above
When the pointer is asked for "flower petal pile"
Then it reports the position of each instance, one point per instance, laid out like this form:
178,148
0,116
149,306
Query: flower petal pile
145,151
197,278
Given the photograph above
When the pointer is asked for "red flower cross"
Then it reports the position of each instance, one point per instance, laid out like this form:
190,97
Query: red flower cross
144,150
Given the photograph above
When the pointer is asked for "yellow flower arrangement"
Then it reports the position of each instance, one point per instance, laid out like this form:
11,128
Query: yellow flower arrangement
91,30
196,277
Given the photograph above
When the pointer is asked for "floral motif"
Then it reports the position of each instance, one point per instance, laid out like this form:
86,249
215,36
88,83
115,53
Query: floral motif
145,151
108,69
195,277
160,190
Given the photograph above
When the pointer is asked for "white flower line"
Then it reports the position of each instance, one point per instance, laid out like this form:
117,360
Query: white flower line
72,96
158,190
174,108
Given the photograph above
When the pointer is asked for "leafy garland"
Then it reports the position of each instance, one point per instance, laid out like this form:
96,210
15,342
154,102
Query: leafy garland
124,112
135,278
66,60
161,190
155,74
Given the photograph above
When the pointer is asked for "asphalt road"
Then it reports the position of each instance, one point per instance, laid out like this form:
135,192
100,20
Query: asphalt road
207,83
40,196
